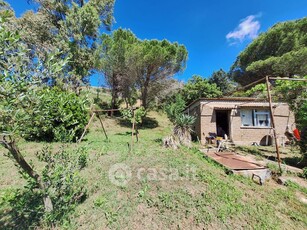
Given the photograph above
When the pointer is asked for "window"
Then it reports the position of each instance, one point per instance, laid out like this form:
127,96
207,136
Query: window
255,117
262,118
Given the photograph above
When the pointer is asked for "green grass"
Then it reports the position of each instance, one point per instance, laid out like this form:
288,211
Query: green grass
175,189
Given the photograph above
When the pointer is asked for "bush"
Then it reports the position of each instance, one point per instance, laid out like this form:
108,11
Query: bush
24,208
304,173
175,109
64,185
57,116
183,128
139,114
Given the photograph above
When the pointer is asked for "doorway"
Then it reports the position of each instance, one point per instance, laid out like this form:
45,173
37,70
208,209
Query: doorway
222,120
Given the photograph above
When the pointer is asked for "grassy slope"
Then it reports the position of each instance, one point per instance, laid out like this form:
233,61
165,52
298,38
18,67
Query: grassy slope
211,199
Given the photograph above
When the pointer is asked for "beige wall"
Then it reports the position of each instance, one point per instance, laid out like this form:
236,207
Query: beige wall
195,111
242,135
247,135
207,120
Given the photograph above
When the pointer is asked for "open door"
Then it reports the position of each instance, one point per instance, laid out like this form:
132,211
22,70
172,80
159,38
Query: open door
222,120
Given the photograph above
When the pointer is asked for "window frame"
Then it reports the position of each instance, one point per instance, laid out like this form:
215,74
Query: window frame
265,112
254,120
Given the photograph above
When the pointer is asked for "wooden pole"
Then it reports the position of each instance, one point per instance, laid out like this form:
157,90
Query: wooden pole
253,83
104,110
273,122
105,133
86,127
136,133
288,79
132,131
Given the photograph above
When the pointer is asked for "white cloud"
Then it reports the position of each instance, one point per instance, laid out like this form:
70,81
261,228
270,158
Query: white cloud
248,28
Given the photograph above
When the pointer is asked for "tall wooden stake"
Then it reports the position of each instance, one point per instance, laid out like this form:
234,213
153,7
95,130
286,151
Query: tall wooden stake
132,131
105,133
273,122
86,127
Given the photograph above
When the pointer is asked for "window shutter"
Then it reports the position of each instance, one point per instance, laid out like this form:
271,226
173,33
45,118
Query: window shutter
247,117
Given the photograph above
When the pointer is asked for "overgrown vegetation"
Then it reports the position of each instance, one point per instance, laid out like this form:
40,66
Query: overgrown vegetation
58,116
63,185
46,56
294,93
175,109
26,107
198,87
196,193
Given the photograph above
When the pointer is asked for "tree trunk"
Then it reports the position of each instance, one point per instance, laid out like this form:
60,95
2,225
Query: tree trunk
145,92
126,102
113,102
114,92
13,149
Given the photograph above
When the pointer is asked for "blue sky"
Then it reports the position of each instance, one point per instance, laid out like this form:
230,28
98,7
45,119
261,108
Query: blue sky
214,32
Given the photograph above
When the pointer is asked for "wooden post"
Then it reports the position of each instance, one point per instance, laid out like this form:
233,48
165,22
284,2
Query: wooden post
86,127
273,122
105,133
132,131
136,133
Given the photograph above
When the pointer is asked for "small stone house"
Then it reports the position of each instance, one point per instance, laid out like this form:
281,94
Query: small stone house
245,121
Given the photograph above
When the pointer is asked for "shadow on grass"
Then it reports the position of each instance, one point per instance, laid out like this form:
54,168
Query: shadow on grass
148,123
297,162
21,209
158,140
124,134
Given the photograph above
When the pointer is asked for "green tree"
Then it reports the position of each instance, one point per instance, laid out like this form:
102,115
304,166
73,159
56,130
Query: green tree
54,191
281,51
175,109
198,87
159,61
16,92
71,26
116,57
258,91
131,64
221,79
295,94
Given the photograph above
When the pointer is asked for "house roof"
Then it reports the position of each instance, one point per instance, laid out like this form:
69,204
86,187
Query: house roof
248,100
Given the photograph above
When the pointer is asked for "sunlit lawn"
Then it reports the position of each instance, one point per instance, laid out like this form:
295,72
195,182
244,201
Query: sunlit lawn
167,189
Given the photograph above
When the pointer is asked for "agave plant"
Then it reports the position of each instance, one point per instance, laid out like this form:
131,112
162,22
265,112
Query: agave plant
183,128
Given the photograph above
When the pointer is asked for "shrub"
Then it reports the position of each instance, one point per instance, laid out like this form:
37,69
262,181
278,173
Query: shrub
63,185
139,114
183,128
304,173
174,110
57,116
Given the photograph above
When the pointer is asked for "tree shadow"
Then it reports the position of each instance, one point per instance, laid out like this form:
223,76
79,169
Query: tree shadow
297,162
22,209
124,123
148,123
158,140
123,134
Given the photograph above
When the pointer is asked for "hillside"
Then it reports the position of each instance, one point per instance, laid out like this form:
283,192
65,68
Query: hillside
168,189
